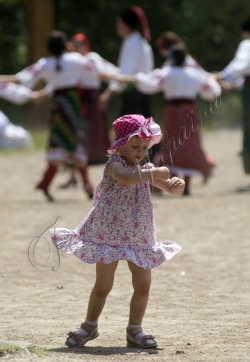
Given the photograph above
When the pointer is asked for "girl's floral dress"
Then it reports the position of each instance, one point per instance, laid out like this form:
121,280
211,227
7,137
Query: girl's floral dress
120,226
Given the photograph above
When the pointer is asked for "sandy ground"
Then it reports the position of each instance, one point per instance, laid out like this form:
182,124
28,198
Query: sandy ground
199,302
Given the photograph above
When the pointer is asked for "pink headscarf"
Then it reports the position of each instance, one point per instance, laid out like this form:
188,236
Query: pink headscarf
131,125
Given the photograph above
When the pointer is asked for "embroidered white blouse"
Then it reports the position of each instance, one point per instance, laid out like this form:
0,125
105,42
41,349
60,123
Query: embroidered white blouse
178,82
75,69
136,56
240,65
103,66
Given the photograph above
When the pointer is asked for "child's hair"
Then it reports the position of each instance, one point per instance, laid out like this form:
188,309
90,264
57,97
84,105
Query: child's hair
168,39
131,125
245,26
177,53
56,44
134,16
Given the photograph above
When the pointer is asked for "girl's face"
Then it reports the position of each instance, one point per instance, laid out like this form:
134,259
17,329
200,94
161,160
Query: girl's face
122,29
79,47
163,52
134,150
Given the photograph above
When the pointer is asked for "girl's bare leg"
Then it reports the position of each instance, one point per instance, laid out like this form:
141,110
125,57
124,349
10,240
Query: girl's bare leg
141,280
103,285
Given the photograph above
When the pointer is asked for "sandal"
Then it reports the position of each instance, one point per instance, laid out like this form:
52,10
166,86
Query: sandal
81,340
139,342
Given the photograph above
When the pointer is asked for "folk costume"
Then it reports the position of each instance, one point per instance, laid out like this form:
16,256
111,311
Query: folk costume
67,128
181,149
238,67
135,56
96,119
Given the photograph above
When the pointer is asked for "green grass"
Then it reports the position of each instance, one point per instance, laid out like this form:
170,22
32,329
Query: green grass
39,351
9,349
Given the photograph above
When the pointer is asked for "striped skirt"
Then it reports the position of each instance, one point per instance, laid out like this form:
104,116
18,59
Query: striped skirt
67,127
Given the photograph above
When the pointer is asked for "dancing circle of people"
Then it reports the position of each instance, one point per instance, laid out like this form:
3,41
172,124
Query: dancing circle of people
78,136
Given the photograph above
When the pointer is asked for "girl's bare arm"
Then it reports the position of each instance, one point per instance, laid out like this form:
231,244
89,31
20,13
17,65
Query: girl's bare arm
9,78
136,175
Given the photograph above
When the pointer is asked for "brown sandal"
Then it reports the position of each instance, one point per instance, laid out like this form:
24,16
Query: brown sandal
81,340
139,342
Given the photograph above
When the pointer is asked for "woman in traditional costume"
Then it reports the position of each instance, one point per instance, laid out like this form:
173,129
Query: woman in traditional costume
63,71
181,149
237,69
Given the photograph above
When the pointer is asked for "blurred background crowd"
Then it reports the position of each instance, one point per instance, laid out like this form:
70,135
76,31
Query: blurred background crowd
206,36
211,31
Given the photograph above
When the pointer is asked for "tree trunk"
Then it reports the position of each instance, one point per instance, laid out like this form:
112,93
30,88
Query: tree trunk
40,22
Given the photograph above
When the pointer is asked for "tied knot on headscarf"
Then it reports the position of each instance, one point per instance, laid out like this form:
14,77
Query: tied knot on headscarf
150,128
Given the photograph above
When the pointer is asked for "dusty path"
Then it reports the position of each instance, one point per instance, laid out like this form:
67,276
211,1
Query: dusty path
199,301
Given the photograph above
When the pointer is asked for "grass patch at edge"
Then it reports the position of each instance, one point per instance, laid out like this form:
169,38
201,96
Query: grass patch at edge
39,351
9,349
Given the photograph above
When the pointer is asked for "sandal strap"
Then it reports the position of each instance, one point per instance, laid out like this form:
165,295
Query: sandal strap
88,328
134,331
142,340
80,338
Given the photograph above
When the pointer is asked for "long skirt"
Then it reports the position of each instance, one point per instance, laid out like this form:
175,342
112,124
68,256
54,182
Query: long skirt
181,146
97,132
67,127
246,127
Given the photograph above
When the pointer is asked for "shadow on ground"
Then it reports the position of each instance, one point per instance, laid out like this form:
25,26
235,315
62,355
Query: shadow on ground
104,351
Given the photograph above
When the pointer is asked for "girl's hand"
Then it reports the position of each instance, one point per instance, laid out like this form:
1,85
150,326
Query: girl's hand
176,185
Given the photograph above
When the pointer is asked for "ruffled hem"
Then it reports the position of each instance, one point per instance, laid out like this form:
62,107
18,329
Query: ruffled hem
68,241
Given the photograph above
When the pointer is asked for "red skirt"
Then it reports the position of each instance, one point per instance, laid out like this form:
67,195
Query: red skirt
181,145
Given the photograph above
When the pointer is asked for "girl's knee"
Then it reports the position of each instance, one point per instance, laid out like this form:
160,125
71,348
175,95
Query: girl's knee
102,290
142,287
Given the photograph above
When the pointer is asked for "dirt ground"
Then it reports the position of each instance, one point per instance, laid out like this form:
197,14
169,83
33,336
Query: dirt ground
199,302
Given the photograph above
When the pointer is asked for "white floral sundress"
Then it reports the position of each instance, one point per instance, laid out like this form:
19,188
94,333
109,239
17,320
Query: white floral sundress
119,226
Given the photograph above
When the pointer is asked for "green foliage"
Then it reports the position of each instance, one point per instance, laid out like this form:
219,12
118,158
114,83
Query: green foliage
210,28
12,36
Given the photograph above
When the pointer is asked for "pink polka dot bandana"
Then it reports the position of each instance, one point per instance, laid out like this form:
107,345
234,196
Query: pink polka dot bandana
131,125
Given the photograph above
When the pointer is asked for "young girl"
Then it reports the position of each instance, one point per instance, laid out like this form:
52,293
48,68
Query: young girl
120,226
